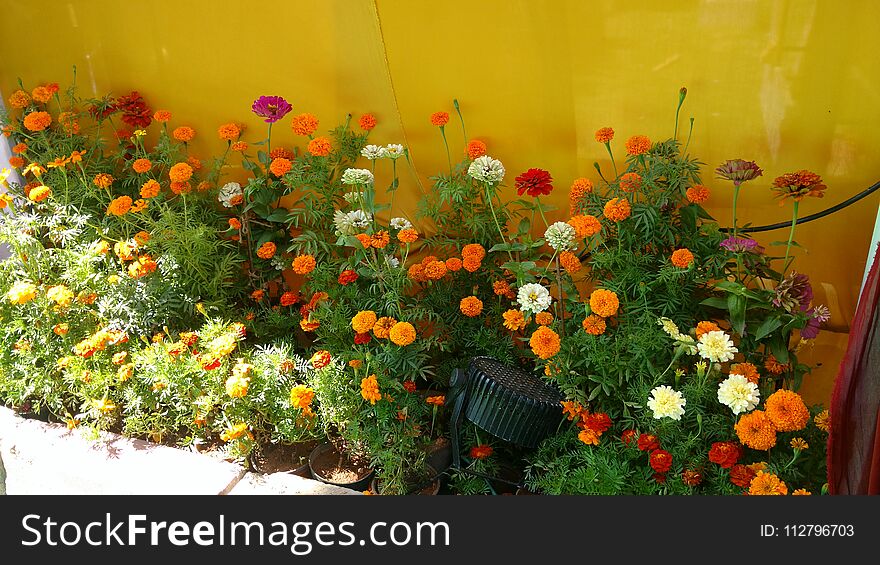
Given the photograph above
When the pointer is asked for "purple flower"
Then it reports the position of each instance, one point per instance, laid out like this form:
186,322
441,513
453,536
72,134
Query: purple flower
273,108
738,171
818,316
742,245
794,293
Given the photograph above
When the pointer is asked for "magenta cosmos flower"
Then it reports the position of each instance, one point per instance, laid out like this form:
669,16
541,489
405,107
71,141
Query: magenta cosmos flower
272,108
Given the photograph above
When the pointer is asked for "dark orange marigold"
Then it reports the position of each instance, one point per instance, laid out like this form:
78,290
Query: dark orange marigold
604,135
617,209
476,149
682,258
637,145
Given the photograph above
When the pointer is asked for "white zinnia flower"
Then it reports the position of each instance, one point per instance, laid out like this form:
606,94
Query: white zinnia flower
738,393
533,298
669,327
716,346
560,236
352,197
400,224
371,152
666,403
229,191
486,169
357,176
350,223
391,151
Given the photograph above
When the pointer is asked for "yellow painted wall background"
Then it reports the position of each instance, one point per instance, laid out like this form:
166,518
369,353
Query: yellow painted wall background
790,84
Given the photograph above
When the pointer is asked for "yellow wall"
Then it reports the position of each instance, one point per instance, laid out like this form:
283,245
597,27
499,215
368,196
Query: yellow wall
790,84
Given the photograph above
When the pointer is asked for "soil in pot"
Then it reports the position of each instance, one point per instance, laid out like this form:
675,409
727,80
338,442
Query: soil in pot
439,454
328,466
432,488
283,458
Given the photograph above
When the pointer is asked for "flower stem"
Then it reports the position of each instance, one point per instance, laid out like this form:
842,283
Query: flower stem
610,154
393,183
541,210
445,144
794,216
268,148
495,217
461,119
736,187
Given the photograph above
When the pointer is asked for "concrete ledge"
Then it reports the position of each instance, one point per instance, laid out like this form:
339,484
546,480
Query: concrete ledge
42,458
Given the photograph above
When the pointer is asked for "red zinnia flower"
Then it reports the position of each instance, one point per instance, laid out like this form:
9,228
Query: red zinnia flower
725,453
535,182
648,442
660,460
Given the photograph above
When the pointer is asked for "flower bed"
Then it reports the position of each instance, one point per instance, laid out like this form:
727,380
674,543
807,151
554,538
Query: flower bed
149,293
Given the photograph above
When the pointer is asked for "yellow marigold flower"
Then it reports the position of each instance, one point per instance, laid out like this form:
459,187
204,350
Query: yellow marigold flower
604,302
119,358
304,124
266,251
570,262
370,389
61,329
304,264
402,333
103,180
142,267
787,411
119,206
103,405
21,293
223,345
594,325
637,145
237,385
124,250
301,397
39,193
756,430
617,209
125,372
801,492
544,342
588,436
767,484
382,327
407,236
363,321
514,320
799,443
234,432
823,420
543,318
471,306
682,258
60,295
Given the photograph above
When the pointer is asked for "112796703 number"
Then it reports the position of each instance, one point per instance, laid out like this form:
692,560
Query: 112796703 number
808,530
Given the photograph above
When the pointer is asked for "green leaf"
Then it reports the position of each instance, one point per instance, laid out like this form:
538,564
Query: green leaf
736,305
779,348
278,215
715,302
769,326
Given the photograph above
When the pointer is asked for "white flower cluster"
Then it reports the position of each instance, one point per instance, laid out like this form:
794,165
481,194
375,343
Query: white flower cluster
278,263
352,197
739,394
685,341
371,152
228,192
400,224
716,346
486,169
351,223
560,236
391,151
533,298
665,402
357,176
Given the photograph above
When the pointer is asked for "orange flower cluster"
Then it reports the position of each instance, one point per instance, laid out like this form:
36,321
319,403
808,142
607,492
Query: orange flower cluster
141,165
37,121
119,206
747,370
697,194
162,116
570,262
102,180
543,318
382,327
787,411
281,153
594,325
288,299
604,135
304,124
304,264
471,306
481,451
141,267
438,400
229,132
430,269
367,122
370,389
767,484
617,209
798,185
319,147
402,333
240,146
180,172
630,182
592,426
756,430
545,343
579,188
363,321
774,366
706,327
266,251
637,145
502,288
585,225
184,134
280,166
514,320
19,99
407,236
439,118
604,302
476,149
682,258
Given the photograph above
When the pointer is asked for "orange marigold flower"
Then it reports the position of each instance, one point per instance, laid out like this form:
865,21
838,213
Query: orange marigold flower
594,325
630,182
747,370
320,147
637,145
501,288
801,492
585,226
16,162
382,327
289,298
195,163
141,238
706,327
281,152
787,411
756,430
184,134
141,267
416,272
61,329
304,124
570,262
103,180
119,206
240,146
617,209
402,333
697,194
453,264
471,264
41,94
229,132
266,251
579,188
258,294
162,116
19,148
367,122
180,172
141,165
203,186
823,420
572,410
438,400
604,302
543,318
364,239
39,193
476,149
435,270
774,366
380,240
178,187
471,306
280,166
604,135
481,451
37,121
767,484
407,235
304,264
363,321
544,342
473,250
439,118
19,99
682,258
514,320
308,324
124,250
